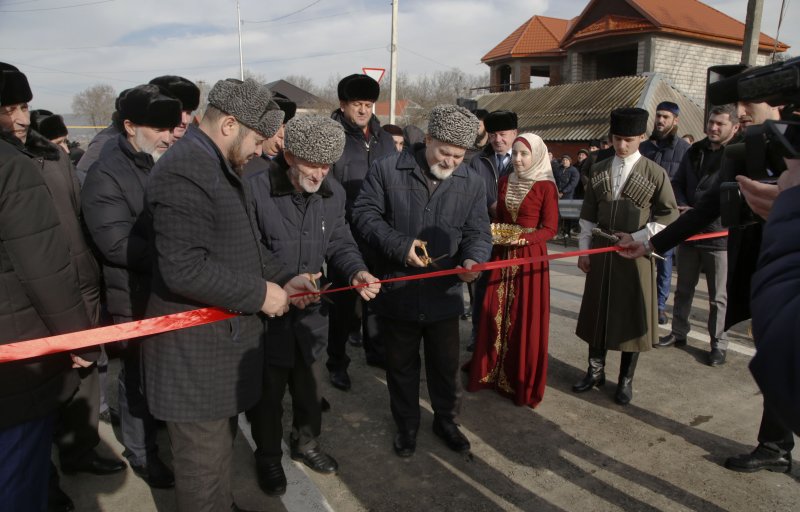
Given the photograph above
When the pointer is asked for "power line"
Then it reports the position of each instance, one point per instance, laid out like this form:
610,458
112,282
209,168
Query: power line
62,7
285,15
86,75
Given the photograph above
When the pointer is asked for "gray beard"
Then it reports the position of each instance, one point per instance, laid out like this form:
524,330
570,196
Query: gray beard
441,174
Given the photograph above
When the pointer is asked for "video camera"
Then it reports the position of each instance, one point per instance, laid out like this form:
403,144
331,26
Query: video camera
760,156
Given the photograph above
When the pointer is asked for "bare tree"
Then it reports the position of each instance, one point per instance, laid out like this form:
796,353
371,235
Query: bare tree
95,104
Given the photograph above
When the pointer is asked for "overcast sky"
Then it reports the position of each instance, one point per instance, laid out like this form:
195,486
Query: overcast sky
65,46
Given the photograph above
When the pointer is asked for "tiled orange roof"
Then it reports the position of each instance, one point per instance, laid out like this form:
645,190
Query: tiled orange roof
540,34
686,17
382,108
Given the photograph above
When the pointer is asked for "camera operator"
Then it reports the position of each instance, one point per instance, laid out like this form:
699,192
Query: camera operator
775,440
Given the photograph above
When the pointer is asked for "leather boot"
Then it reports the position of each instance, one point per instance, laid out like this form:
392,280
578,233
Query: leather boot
627,367
595,375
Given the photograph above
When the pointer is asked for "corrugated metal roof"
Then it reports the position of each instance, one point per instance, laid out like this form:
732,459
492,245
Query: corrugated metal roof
580,111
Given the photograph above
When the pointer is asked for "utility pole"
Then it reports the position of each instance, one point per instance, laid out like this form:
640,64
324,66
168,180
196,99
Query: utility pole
752,32
393,65
239,26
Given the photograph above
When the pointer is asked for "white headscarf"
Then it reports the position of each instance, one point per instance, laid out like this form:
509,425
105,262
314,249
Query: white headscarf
520,182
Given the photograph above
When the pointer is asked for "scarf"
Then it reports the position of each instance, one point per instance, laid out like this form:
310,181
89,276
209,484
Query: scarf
521,182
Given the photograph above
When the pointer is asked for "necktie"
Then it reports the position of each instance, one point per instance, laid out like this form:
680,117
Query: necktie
500,160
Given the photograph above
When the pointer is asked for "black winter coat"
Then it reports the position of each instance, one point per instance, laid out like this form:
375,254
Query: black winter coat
485,165
566,180
113,202
93,151
395,207
303,231
59,176
693,180
667,152
776,302
208,253
359,154
39,293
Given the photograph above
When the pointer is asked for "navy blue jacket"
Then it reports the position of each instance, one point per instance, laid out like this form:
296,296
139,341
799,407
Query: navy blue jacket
775,305
566,180
667,152
302,231
395,207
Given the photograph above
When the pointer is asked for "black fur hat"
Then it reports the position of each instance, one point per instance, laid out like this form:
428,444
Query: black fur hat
358,87
288,106
147,105
628,122
500,120
15,88
181,88
48,124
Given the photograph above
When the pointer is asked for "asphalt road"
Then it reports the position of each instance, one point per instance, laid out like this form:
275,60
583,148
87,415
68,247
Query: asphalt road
582,452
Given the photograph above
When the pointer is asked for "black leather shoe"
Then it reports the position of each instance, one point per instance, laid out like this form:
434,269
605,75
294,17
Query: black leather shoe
58,500
341,380
670,340
590,380
271,478
662,317
405,443
155,473
624,393
317,460
96,465
448,432
716,357
760,458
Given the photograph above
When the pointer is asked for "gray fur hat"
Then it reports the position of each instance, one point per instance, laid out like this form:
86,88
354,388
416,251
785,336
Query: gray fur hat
249,102
453,125
316,139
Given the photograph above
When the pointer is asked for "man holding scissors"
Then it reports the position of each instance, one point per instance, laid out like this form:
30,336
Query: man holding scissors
301,216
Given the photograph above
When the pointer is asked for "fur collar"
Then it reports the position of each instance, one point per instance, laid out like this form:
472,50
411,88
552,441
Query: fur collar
39,146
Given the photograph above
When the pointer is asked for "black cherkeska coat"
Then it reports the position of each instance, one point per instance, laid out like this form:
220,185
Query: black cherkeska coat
208,253
303,231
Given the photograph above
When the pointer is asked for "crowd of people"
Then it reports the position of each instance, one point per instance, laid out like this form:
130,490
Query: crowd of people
256,209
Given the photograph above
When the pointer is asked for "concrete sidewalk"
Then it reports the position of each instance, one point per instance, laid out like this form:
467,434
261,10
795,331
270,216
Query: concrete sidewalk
577,452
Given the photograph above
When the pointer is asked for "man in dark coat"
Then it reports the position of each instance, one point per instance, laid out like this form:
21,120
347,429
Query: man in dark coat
567,178
629,198
365,143
76,434
412,201
208,254
775,439
481,140
301,218
666,148
690,183
491,164
113,202
186,92
272,147
39,296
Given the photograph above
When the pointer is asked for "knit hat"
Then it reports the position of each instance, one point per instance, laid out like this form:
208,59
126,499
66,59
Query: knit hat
249,102
48,124
358,87
585,151
500,120
454,125
628,122
315,139
147,105
594,143
181,88
669,107
567,157
15,88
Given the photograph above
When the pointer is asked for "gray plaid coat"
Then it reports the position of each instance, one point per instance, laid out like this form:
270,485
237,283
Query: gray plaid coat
208,253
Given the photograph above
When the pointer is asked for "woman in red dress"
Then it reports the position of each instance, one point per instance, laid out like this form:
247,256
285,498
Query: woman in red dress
511,347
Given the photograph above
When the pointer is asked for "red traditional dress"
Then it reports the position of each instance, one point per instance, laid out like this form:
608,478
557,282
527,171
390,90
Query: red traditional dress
511,345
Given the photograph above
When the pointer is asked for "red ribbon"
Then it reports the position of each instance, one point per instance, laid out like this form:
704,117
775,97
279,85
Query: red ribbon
150,326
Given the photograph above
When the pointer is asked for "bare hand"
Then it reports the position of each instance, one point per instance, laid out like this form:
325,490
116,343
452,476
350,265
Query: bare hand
624,238
759,196
412,259
276,302
366,292
584,264
469,276
791,177
632,249
79,362
303,284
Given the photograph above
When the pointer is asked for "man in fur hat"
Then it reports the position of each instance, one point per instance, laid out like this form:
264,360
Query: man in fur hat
113,201
627,198
666,148
453,228
186,92
272,147
365,142
301,217
208,253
